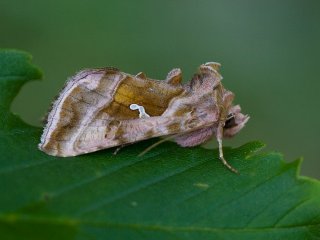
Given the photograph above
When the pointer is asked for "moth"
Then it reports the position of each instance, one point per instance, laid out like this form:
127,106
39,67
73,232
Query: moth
104,107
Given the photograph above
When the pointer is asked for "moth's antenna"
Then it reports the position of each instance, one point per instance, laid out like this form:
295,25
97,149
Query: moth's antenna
156,144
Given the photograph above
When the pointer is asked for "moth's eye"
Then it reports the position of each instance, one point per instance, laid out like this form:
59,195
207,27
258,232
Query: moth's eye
230,122
215,87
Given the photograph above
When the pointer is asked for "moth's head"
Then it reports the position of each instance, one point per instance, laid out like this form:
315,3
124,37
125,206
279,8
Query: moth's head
235,121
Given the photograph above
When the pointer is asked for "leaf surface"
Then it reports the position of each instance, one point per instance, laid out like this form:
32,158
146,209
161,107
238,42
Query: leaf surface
169,193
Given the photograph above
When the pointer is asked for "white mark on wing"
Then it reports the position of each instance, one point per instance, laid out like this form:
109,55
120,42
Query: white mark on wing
142,112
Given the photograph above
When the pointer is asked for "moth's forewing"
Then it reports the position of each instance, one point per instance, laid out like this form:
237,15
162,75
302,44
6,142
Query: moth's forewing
92,112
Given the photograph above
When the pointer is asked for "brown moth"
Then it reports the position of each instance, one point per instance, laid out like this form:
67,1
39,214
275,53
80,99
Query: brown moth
103,108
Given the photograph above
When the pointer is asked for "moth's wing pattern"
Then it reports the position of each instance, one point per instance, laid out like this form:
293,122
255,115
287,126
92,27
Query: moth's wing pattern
93,112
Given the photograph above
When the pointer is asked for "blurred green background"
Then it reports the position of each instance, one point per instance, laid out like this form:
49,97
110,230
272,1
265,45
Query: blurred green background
269,51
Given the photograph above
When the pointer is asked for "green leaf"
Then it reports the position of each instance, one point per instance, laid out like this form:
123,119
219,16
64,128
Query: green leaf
169,193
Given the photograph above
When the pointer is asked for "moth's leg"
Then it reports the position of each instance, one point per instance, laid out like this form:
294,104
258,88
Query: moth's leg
120,147
219,139
155,144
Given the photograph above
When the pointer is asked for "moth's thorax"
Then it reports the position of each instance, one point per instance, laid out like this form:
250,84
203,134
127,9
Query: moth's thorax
102,108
